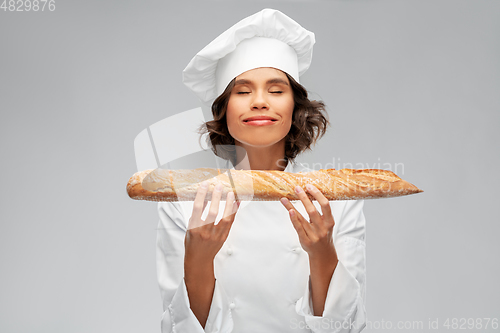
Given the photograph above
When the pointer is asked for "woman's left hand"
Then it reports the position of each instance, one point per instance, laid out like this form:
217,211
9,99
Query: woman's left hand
316,236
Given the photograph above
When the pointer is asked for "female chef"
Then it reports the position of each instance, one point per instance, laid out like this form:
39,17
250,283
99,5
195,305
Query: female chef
261,266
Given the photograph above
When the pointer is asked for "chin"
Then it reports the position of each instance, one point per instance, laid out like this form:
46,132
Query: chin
260,143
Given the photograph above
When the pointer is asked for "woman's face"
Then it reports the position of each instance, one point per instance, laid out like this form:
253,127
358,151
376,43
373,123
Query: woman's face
260,93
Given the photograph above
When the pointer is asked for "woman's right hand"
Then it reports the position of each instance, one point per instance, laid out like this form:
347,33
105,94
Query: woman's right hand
204,239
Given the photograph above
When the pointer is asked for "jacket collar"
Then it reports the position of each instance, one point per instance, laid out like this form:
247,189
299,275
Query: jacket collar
291,167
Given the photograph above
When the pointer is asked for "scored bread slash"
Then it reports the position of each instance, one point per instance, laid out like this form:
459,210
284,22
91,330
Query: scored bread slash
267,185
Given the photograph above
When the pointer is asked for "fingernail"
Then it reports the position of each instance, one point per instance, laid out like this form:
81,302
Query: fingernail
204,184
298,189
309,187
283,201
218,187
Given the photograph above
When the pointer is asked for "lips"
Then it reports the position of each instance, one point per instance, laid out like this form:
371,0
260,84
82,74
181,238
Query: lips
256,118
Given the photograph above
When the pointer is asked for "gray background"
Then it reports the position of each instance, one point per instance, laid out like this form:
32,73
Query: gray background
412,82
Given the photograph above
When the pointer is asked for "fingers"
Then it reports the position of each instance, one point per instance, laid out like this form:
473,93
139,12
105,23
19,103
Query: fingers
308,205
214,205
229,215
231,205
327,217
199,205
300,224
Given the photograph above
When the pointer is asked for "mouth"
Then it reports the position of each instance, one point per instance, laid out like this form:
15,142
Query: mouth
259,118
260,122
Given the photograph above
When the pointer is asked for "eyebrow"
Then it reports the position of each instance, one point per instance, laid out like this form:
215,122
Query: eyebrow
270,81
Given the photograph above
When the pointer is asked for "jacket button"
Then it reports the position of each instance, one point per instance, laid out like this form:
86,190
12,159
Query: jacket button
229,251
232,305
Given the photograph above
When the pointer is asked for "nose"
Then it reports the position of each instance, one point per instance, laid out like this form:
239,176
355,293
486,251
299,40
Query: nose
259,101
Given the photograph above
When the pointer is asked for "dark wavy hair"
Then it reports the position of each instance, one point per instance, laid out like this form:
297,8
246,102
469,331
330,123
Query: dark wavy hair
309,124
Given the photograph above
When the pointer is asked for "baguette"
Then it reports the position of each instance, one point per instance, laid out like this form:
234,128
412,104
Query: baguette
262,185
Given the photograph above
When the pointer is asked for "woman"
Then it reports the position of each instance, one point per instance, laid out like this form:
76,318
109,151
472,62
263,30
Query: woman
265,266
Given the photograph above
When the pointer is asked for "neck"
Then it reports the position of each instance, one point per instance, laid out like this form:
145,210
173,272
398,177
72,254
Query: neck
261,158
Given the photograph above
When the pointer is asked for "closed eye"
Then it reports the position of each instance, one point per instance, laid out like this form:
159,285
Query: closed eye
243,92
276,92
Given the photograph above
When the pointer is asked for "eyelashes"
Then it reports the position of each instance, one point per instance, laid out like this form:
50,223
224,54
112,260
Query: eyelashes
247,92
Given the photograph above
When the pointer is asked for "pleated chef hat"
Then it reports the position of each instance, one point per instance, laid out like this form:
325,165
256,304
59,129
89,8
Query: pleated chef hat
268,38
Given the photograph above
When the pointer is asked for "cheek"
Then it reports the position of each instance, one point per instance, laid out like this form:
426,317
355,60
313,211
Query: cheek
231,115
232,118
289,107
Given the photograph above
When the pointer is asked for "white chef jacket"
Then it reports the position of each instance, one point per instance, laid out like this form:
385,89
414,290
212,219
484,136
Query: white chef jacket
263,278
